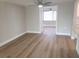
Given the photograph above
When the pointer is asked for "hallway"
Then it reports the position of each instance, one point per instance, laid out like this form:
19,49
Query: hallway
43,45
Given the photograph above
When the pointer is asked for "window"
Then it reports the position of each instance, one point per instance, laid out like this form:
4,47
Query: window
50,15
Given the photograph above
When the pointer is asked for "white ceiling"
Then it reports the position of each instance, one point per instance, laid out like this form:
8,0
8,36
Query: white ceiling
31,2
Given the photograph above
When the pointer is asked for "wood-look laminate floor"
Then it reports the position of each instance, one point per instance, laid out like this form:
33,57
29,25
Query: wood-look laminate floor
44,45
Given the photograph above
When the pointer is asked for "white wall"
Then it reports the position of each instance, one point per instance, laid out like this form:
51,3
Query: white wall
12,21
41,18
32,19
65,18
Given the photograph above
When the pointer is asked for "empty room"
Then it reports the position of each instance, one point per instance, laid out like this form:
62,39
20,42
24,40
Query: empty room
39,28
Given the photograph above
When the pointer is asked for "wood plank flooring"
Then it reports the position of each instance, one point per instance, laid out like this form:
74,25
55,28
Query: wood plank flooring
44,45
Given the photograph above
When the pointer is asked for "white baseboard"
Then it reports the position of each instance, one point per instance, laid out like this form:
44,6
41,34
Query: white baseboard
33,31
67,34
2,44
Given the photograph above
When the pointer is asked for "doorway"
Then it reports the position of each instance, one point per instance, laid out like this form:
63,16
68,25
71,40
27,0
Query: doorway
49,20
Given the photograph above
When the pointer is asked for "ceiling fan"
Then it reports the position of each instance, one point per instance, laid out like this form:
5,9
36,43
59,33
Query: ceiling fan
41,3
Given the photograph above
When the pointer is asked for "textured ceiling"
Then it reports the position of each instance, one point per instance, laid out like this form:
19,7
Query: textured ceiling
31,2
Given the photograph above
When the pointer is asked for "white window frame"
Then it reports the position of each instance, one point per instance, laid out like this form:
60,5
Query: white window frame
52,17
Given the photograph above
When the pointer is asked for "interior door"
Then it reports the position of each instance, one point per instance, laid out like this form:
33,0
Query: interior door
76,17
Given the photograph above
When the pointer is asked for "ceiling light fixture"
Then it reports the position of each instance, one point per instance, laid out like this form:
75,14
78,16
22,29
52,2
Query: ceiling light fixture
40,5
